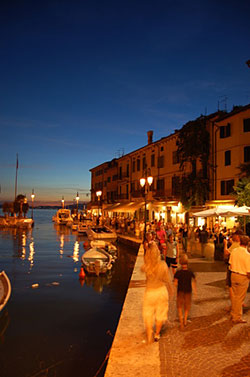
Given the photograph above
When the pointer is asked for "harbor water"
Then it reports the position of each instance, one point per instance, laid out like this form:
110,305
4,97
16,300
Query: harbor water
55,324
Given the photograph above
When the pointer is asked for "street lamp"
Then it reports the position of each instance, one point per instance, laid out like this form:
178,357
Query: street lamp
77,200
146,182
62,202
32,199
98,194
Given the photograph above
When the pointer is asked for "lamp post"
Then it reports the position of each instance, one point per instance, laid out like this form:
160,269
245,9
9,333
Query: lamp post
77,200
146,182
32,200
98,194
62,202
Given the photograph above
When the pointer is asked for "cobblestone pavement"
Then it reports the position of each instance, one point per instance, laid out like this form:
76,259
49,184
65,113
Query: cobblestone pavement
210,345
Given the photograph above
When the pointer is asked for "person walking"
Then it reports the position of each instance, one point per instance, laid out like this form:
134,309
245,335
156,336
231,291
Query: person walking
158,288
240,274
171,253
184,280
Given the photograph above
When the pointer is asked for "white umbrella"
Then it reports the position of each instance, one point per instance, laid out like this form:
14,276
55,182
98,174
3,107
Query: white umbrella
224,211
239,211
212,212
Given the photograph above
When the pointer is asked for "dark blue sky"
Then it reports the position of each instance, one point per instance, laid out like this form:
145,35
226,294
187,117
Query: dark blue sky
82,81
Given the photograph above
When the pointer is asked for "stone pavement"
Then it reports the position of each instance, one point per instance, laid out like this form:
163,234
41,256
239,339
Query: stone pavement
209,346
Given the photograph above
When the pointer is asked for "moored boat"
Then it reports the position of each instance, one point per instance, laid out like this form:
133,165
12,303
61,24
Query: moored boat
62,217
106,245
5,289
16,222
101,233
96,261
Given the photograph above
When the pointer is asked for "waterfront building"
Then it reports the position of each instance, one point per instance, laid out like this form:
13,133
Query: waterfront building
119,179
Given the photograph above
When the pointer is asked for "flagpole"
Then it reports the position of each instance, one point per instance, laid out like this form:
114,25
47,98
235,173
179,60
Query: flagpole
16,175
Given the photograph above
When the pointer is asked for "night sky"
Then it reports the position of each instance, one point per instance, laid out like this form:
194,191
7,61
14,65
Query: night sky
83,81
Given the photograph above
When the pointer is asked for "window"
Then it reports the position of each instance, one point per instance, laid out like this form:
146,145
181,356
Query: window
247,154
225,131
152,160
227,158
162,149
120,172
226,187
127,170
109,179
115,177
126,191
161,162
160,184
246,125
175,186
138,164
144,163
133,166
175,158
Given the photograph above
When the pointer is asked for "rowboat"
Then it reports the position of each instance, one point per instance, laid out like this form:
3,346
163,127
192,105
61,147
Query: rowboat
106,245
5,289
96,261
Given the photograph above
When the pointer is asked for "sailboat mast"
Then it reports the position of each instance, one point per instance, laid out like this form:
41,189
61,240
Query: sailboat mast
16,175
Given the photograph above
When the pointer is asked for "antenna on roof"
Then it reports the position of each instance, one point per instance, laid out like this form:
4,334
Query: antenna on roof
221,101
119,153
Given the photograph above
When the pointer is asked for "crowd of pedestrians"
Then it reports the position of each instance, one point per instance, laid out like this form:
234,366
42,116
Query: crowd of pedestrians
162,282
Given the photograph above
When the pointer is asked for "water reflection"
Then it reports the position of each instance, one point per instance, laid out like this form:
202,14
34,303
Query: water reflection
97,282
76,251
23,242
4,323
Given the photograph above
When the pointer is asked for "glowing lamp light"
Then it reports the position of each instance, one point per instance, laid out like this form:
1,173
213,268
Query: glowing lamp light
150,180
98,193
142,182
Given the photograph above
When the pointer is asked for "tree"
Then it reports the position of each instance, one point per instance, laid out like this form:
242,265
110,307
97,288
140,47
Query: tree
242,192
242,197
8,208
19,202
193,146
244,170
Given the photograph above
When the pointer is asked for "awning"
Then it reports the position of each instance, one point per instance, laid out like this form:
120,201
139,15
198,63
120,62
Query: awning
125,207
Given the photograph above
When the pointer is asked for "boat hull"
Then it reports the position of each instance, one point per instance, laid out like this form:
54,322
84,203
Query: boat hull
5,289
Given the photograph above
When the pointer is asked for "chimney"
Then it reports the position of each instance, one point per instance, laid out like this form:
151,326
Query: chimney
150,137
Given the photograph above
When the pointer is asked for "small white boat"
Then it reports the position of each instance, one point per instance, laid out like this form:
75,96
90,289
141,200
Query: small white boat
62,217
101,233
5,289
83,226
106,245
96,261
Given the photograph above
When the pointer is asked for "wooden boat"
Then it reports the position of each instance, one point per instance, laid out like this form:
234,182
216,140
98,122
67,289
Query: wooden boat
105,245
5,289
96,261
101,233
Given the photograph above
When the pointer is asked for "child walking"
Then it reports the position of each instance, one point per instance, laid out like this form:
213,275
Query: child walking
184,280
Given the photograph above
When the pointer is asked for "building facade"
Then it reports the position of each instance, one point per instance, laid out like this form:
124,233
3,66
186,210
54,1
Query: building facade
119,179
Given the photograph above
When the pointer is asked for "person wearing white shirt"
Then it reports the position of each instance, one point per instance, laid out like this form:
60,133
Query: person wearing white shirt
240,267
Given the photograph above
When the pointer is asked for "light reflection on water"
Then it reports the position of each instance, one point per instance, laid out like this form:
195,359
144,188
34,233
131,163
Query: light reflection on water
64,321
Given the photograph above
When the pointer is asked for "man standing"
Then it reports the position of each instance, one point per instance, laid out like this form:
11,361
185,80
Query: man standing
240,267
203,239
